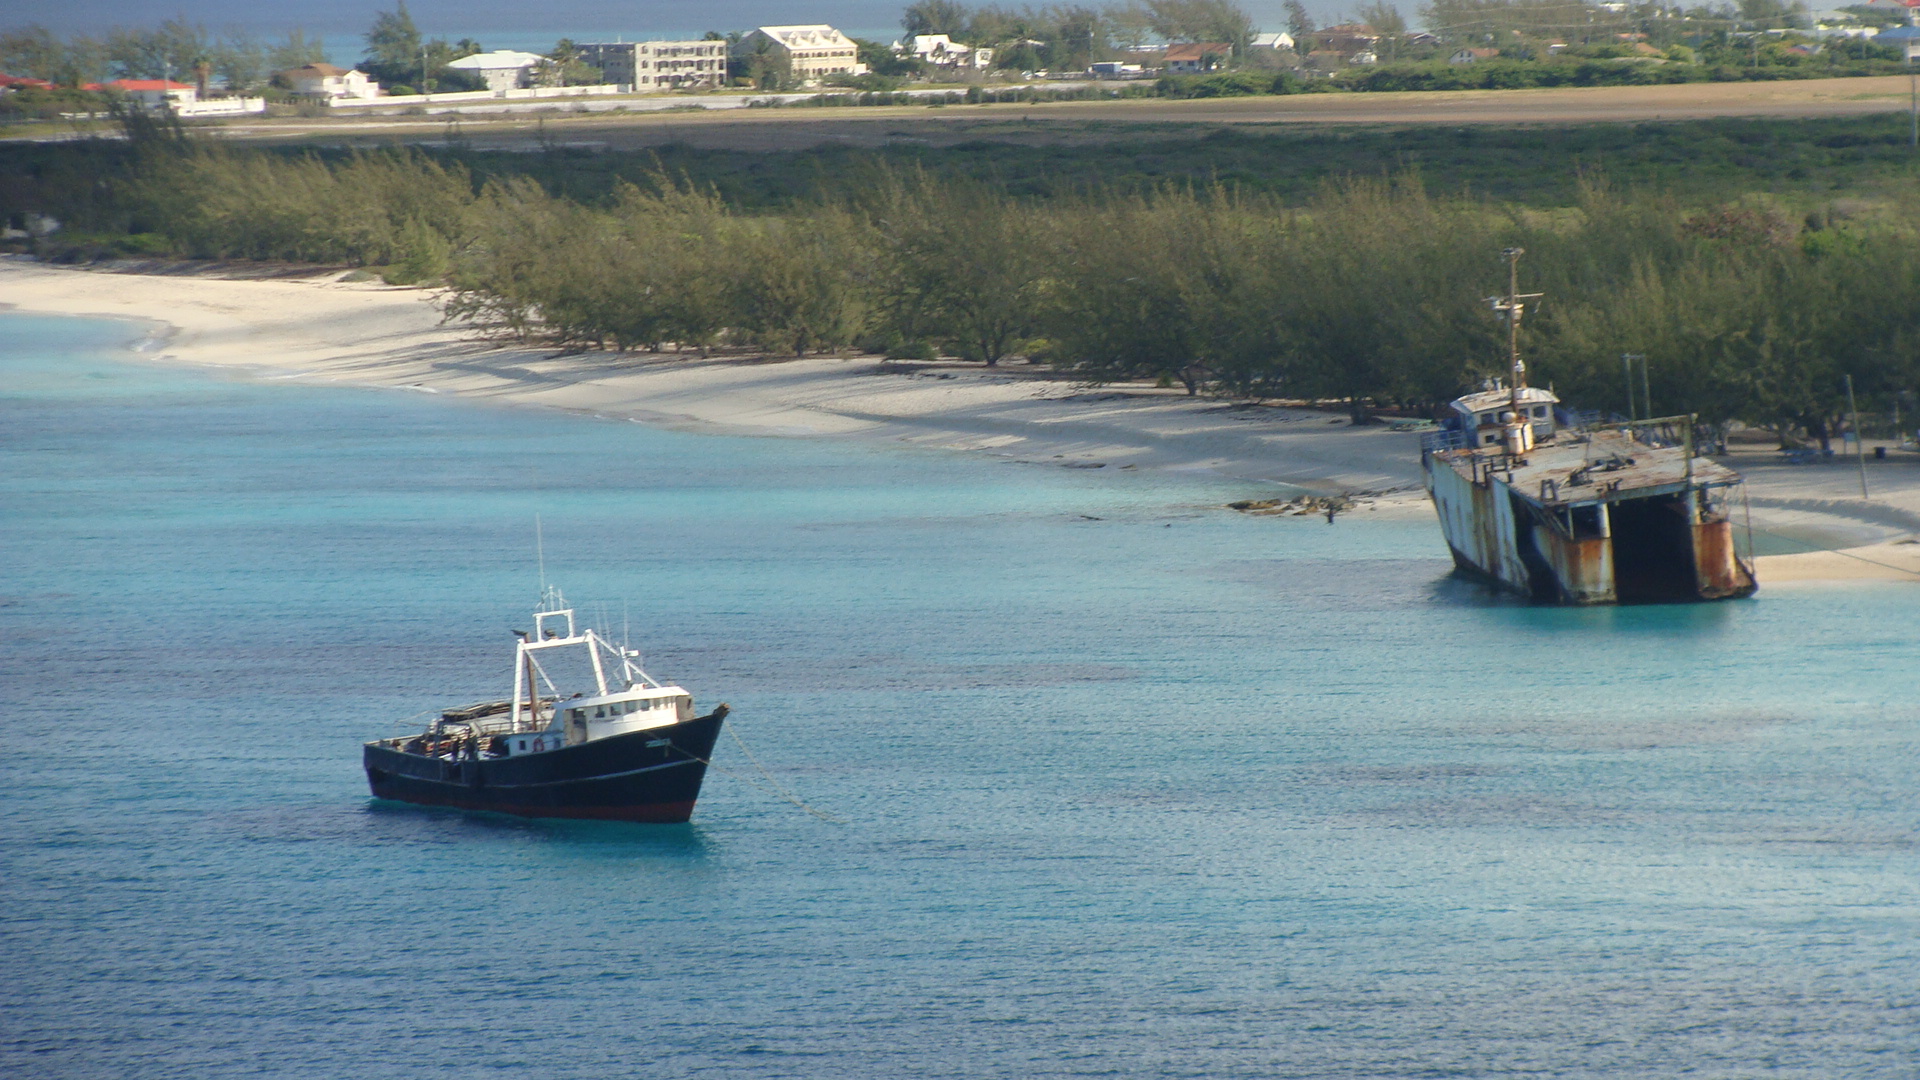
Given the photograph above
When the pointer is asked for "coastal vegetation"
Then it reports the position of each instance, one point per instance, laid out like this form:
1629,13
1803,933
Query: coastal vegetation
1466,45
1366,290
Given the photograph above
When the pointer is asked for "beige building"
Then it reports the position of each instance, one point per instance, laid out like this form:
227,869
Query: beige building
327,81
810,51
658,65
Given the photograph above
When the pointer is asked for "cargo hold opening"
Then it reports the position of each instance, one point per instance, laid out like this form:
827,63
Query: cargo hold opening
1653,551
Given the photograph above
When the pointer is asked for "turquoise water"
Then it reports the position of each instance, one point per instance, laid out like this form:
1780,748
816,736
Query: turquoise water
1131,786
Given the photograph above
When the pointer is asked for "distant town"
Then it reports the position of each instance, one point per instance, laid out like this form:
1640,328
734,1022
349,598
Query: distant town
1178,48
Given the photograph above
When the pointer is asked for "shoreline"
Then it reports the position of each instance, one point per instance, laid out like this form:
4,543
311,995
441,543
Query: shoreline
280,324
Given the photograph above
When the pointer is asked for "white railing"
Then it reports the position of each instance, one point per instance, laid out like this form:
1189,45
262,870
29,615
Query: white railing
532,93
221,107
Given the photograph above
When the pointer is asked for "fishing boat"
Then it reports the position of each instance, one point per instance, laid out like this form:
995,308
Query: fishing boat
624,747
1569,510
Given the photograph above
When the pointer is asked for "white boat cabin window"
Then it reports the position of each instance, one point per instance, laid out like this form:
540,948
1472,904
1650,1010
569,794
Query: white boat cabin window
609,710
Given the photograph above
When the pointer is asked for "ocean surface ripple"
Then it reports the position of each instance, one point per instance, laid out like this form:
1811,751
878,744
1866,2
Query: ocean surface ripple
1132,786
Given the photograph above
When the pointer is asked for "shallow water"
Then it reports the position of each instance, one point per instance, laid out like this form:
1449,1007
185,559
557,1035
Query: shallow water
1132,786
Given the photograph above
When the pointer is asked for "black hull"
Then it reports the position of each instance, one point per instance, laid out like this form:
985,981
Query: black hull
650,776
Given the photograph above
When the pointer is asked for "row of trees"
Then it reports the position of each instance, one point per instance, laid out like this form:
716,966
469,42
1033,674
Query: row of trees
399,56
1134,23
1372,293
1068,36
175,49
1475,21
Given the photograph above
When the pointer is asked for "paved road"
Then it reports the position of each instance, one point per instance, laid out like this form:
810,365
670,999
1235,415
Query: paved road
631,104
791,128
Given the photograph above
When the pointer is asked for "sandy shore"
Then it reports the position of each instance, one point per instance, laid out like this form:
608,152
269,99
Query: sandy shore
321,329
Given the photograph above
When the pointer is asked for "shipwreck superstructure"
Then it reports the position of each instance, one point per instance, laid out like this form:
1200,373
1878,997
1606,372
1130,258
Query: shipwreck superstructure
1575,512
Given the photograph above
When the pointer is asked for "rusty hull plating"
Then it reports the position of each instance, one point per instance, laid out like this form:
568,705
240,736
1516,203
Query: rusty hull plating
1614,514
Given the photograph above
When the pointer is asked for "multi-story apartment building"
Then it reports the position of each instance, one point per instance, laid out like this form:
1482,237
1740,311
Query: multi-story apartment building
659,65
811,51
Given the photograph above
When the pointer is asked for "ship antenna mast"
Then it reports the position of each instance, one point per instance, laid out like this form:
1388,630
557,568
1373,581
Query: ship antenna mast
1514,307
540,555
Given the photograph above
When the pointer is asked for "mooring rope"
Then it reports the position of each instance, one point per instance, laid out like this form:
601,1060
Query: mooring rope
771,782
777,785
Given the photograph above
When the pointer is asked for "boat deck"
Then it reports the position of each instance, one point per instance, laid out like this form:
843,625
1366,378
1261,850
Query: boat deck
1577,469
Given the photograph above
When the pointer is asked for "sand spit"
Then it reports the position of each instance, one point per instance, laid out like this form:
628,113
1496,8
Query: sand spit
263,323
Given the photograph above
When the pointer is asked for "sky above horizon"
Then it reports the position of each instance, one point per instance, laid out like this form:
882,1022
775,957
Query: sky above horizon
516,24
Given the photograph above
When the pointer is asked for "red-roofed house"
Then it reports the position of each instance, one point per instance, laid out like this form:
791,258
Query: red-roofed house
16,82
1196,58
155,93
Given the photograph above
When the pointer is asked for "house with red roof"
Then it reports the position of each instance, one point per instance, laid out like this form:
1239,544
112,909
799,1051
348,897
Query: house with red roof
155,93
17,82
1196,57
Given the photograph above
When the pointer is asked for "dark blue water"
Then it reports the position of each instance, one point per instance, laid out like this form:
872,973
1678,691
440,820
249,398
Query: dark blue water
1132,786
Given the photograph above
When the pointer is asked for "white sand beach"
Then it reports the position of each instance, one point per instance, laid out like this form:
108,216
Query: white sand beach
260,323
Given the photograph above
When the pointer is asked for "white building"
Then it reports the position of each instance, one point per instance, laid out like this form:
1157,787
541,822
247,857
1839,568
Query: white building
327,81
1273,41
155,93
1194,58
810,51
939,50
658,65
502,69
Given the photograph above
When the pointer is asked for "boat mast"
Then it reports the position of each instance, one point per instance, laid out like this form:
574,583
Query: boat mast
593,653
1514,307
540,557
533,687
521,674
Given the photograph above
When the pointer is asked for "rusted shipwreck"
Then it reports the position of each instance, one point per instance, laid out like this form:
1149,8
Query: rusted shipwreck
1571,512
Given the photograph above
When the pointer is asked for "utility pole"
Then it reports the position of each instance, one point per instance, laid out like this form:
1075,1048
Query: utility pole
1859,444
1626,364
1646,391
1907,42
